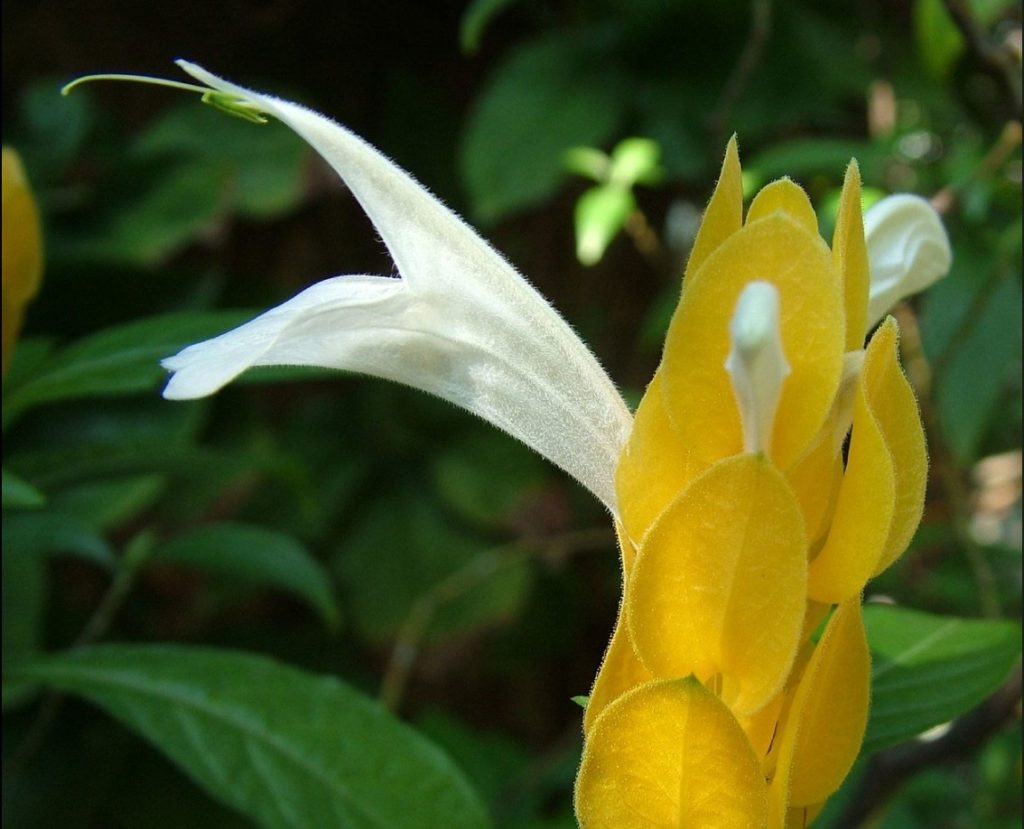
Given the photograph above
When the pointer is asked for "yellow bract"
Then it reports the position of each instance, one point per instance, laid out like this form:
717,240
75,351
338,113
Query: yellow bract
882,494
825,725
22,249
700,400
654,467
850,255
669,754
720,581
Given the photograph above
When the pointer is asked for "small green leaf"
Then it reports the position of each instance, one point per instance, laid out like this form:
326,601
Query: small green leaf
287,748
601,213
256,555
636,161
588,162
930,669
124,359
19,493
582,700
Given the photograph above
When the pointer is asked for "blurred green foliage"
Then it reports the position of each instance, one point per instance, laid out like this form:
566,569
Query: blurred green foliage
361,531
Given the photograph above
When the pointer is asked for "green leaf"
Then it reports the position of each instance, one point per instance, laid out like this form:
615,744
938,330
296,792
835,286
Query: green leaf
600,214
256,555
548,96
259,171
19,493
287,748
107,504
124,359
981,367
582,700
588,162
930,669
483,476
636,160
402,548
47,531
475,19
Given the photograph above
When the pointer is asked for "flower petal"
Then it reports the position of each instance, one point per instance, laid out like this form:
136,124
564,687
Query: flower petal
460,323
621,671
669,754
908,250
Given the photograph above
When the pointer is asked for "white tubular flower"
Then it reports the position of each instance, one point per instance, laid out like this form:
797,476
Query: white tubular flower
757,363
908,250
460,323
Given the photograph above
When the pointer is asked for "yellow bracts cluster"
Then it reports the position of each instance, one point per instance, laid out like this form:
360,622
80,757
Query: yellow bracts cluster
742,528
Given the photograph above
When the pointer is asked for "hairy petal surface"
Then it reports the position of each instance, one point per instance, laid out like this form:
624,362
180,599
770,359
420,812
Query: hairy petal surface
461,323
669,754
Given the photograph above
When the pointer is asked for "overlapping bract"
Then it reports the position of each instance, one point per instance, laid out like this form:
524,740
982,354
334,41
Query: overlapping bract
733,558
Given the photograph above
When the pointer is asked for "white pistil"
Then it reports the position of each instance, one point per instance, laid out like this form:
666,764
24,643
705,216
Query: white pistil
757,363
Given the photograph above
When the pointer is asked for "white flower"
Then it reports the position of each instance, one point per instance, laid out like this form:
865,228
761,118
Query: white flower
908,250
460,323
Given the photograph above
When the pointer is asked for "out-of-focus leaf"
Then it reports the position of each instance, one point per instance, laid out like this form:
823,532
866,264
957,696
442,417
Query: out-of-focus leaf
981,366
24,605
402,547
181,201
928,669
600,215
121,360
19,493
489,761
635,161
256,555
588,162
939,41
51,129
62,446
548,96
106,504
475,20
287,748
47,531
484,476
259,169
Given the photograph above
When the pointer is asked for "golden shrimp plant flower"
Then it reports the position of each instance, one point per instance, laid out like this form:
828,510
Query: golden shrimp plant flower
743,524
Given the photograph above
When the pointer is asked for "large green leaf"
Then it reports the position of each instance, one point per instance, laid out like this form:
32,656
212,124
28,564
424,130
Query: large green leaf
124,359
287,748
930,669
257,555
